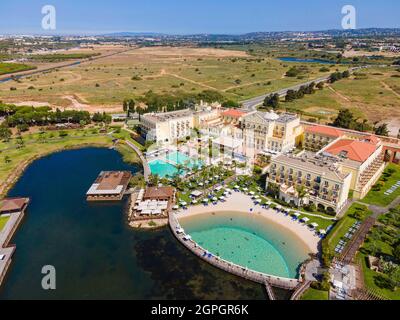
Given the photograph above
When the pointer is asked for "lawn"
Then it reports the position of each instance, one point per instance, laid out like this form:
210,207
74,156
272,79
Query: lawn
345,223
378,197
3,221
313,294
6,68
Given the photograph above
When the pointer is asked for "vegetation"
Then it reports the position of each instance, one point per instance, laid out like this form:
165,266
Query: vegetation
355,213
389,178
6,68
3,221
383,242
26,116
58,57
314,294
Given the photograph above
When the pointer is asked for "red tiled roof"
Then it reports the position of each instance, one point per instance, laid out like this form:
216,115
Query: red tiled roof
157,192
352,149
327,131
13,204
233,113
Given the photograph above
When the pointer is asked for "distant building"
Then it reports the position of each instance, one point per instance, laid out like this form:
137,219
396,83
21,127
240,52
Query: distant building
109,186
13,205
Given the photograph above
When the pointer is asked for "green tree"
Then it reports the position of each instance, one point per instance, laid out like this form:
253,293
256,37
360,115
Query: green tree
5,133
382,130
345,119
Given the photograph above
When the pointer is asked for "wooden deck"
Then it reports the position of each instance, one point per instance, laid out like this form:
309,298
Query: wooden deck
230,267
5,237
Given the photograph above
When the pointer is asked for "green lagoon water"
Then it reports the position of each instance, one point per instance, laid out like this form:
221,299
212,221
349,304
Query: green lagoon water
95,253
248,240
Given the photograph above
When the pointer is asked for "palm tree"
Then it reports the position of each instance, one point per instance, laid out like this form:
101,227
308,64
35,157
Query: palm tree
154,179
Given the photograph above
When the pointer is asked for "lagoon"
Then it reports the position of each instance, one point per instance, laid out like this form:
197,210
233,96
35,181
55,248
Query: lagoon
95,253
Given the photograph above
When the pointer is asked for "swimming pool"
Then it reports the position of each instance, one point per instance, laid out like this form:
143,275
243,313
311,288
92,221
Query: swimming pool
165,166
162,168
249,241
183,159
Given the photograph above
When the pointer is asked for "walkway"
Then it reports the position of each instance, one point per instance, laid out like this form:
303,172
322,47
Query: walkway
146,168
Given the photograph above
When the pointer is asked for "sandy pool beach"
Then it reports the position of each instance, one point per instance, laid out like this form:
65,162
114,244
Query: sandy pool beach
239,202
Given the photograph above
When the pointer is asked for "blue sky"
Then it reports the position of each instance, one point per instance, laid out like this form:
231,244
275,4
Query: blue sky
193,16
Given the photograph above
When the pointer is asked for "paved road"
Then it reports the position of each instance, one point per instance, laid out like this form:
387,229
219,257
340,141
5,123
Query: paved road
252,104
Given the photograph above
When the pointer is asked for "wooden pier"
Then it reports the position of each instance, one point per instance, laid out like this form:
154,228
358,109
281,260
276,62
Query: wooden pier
267,280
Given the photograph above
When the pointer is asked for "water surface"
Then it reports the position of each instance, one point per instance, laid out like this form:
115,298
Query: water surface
95,253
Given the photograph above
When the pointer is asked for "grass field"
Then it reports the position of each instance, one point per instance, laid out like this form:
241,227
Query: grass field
3,221
375,96
313,294
108,81
378,197
12,158
6,68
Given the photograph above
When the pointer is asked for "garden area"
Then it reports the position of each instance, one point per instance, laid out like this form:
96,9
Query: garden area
314,294
383,246
3,221
386,189
342,232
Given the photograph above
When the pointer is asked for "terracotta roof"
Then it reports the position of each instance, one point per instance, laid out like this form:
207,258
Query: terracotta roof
156,192
13,204
327,131
233,113
110,180
352,149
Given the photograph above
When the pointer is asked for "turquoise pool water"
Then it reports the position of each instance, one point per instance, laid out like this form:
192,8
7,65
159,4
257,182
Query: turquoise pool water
248,240
163,168
183,159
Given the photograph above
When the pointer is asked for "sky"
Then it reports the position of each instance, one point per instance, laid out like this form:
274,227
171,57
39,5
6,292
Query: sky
192,16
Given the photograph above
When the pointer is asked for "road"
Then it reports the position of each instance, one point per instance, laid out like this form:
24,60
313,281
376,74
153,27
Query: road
252,104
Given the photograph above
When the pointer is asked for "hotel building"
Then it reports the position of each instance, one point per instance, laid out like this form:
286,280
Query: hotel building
363,158
318,137
326,185
268,131
165,128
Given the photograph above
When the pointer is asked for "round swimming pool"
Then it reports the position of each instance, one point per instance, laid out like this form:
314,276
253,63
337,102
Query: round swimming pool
250,241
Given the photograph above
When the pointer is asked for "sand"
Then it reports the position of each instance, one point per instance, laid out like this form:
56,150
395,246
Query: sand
239,202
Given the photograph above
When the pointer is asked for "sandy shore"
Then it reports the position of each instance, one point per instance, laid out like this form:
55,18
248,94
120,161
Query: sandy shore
239,202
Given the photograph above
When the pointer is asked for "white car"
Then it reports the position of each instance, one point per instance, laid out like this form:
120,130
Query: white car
2,256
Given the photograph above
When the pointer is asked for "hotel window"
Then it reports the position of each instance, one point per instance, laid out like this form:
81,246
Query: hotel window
308,176
337,187
326,184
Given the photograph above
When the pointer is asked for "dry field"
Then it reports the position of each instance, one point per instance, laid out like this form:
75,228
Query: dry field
103,84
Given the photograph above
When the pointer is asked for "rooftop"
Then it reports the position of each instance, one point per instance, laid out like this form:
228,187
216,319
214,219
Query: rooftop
234,113
356,150
166,116
13,204
324,130
322,165
110,182
159,192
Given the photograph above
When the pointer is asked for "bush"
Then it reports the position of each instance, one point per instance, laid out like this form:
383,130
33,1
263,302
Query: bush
384,282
